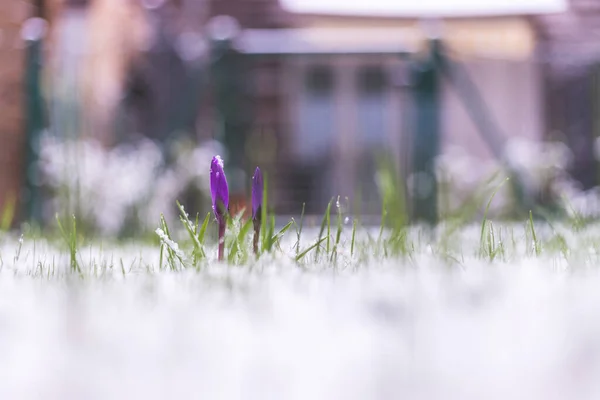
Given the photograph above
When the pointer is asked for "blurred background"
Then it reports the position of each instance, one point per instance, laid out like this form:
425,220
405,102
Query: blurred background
112,109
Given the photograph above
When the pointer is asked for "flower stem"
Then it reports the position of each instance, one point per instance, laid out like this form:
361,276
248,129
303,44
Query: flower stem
256,223
222,226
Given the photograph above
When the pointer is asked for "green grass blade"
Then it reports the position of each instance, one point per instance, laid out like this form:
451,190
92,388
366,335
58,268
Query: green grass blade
299,231
161,255
328,214
353,238
264,214
270,233
198,252
338,234
305,252
485,213
202,231
70,239
173,254
324,223
383,220
237,249
536,245
279,235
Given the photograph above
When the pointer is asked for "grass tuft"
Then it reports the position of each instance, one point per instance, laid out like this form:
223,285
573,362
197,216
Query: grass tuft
70,238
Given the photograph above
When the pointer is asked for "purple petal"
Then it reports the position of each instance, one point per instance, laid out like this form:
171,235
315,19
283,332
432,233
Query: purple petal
219,190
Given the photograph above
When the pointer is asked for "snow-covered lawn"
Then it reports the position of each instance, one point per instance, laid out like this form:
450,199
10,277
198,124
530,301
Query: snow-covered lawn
429,324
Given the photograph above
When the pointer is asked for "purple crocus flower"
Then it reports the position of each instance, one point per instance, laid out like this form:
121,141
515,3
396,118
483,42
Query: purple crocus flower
257,200
220,198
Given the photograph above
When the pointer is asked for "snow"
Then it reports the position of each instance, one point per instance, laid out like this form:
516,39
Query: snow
416,328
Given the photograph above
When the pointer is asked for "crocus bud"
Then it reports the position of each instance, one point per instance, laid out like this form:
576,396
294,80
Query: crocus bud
220,198
218,189
257,194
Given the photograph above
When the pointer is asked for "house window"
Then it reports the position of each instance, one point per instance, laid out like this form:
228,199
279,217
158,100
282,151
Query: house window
372,106
316,124
316,119
335,102
373,115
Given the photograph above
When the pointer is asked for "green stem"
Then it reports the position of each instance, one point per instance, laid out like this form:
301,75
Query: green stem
222,227
257,222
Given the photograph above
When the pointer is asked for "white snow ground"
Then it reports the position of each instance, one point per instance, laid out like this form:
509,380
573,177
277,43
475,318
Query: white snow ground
525,328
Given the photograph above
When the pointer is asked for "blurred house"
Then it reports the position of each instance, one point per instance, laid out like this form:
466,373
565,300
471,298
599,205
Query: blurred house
569,51
317,121
342,111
